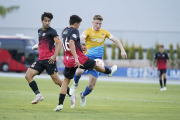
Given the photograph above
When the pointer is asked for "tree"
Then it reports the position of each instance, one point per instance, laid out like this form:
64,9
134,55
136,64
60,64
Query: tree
178,51
126,48
105,54
171,52
140,51
4,10
156,47
148,54
119,51
132,52
113,46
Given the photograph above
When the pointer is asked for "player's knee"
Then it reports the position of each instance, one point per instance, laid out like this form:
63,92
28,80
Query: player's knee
91,86
57,81
79,72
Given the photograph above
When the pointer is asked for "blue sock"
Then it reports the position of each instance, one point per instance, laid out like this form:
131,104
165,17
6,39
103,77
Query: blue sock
76,78
87,91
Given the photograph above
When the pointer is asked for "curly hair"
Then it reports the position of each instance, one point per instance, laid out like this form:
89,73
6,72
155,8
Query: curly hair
47,14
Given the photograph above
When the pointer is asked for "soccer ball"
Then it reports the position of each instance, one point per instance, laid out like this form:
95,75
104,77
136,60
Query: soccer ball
99,62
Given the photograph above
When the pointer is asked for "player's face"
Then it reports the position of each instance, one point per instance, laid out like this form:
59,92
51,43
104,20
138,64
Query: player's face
161,49
97,24
46,22
77,25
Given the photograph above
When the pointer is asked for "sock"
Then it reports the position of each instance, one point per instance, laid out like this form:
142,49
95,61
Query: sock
87,91
76,78
61,98
160,81
34,87
164,82
107,70
68,91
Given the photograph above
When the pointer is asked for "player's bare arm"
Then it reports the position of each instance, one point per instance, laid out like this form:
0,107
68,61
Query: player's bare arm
123,52
153,63
73,51
57,49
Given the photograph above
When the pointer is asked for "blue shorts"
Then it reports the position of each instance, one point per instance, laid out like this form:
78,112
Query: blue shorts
93,72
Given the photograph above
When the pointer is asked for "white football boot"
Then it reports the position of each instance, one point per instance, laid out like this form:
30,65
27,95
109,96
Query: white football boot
58,108
164,88
38,98
73,88
82,100
113,69
73,100
35,47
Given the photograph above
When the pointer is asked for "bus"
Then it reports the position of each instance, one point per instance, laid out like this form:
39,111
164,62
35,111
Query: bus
16,53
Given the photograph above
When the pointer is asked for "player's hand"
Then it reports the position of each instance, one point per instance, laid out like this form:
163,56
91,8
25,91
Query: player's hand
52,59
123,54
170,60
78,64
84,48
35,47
153,67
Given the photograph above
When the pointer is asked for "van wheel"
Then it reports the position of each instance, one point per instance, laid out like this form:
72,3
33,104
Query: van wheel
5,67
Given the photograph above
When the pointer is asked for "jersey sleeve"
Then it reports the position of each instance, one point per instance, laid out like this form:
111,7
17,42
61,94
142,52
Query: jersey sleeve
155,57
108,35
167,57
74,35
85,33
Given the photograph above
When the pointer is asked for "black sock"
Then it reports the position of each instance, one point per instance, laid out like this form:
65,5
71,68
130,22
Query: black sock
107,70
34,87
164,82
61,98
160,81
68,91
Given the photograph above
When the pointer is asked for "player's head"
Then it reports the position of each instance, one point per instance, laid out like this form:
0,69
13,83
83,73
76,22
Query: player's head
161,48
75,21
46,19
97,22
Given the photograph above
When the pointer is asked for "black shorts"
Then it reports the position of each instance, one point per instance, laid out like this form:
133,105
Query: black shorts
41,65
161,71
88,65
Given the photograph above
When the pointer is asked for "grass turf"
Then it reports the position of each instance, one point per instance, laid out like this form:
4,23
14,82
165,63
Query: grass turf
109,100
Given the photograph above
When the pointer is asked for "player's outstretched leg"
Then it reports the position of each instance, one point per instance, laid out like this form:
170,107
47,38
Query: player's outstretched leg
29,77
77,76
108,71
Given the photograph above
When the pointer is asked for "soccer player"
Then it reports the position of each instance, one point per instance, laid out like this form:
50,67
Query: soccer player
75,58
94,41
161,58
47,58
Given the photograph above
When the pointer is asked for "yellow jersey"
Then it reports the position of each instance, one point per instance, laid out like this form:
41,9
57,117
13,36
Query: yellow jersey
94,41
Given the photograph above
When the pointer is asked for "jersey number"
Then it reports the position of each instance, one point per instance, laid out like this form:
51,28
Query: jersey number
66,45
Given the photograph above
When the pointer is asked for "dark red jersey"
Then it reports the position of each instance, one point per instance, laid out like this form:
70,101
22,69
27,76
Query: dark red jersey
161,60
46,43
67,35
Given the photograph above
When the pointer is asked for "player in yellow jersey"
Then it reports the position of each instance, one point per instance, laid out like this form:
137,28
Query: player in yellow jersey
94,42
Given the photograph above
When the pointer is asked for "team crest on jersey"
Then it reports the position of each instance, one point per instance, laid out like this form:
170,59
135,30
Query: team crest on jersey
102,34
43,34
163,55
74,35
33,64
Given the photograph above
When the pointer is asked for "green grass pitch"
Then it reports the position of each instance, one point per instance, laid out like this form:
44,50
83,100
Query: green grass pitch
108,101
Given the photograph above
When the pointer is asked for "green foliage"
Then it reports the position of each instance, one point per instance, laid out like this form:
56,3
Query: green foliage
178,51
105,53
132,52
148,54
140,51
171,51
156,47
4,10
113,46
126,48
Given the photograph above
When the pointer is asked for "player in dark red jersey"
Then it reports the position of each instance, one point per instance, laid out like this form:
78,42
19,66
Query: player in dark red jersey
47,57
161,58
75,58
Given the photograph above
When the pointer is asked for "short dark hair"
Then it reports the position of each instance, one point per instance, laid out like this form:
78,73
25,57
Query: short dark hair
161,46
47,14
74,19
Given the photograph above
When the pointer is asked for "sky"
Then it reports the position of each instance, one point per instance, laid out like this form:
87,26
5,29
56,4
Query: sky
139,21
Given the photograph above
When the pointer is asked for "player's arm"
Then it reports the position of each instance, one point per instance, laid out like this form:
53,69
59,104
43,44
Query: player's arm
35,47
73,51
57,49
154,61
167,57
82,38
119,44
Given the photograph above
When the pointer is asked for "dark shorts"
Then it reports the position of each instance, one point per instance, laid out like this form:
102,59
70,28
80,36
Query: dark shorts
161,71
42,65
88,65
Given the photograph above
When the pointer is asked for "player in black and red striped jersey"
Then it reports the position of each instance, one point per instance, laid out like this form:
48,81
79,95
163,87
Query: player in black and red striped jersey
47,57
161,58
